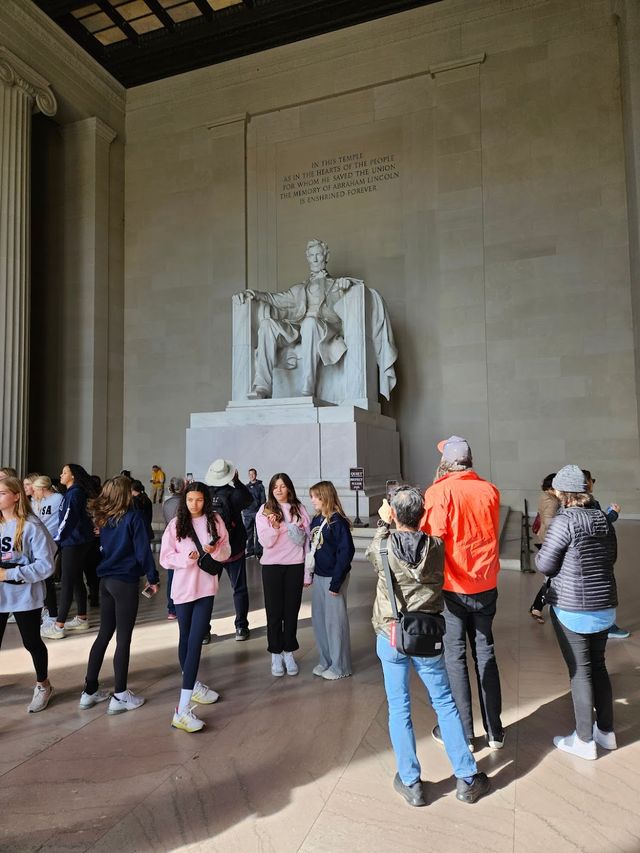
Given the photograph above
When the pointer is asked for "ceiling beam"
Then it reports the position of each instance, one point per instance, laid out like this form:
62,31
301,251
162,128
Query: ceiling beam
118,20
160,12
205,8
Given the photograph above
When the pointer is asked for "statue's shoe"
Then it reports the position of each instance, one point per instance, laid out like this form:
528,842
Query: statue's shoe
258,394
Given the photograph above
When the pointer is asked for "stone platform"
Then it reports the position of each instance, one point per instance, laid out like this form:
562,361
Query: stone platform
307,438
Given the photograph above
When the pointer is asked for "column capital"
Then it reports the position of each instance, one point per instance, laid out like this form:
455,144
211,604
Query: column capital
15,72
92,127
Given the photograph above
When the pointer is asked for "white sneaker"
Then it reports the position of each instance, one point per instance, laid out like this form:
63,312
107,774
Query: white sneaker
330,675
607,740
574,746
290,663
277,665
204,695
88,700
186,721
41,696
52,632
12,619
318,669
129,702
77,624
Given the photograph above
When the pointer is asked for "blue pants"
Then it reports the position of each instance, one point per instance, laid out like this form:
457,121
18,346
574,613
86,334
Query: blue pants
433,674
171,608
193,619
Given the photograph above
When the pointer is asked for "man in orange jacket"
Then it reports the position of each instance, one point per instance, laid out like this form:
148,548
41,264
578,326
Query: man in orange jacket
463,510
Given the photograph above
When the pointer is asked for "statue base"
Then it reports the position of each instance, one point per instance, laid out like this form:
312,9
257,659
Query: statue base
307,438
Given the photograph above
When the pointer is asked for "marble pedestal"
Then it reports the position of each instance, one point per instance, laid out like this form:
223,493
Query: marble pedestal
307,438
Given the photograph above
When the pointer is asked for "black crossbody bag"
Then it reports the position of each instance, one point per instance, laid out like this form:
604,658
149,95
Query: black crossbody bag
205,560
417,633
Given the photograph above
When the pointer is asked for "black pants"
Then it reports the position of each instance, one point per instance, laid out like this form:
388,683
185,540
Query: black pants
51,600
118,611
590,685
470,617
282,598
28,622
253,543
91,572
74,558
193,619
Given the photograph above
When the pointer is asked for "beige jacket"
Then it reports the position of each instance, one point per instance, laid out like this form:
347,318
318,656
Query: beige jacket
417,563
548,506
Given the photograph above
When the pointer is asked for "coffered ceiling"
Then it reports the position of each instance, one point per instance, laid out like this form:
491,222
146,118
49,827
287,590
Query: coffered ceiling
138,41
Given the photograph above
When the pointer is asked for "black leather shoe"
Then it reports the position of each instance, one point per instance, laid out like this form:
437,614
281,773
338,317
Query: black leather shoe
437,736
413,794
206,639
478,788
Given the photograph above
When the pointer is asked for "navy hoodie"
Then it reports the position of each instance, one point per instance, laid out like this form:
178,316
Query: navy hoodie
125,550
334,553
75,527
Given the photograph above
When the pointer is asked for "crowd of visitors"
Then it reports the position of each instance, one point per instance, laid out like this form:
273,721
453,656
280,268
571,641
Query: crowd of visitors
435,553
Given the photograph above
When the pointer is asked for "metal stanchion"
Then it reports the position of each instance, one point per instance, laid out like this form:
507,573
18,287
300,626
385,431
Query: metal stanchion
525,542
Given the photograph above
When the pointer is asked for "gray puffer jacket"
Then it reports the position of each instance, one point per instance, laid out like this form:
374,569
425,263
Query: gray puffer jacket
578,554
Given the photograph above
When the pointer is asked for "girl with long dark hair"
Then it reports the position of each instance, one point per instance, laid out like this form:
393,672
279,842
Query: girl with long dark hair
126,556
75,538
282,524
27,560
193,591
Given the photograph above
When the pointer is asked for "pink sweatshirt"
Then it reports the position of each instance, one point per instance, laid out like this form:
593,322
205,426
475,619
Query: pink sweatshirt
279,548
189,581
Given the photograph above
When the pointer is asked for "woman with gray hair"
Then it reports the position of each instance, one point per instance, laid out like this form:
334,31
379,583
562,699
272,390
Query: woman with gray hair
578,554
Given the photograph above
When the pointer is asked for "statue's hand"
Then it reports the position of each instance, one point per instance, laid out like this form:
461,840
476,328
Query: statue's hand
342,283
245,295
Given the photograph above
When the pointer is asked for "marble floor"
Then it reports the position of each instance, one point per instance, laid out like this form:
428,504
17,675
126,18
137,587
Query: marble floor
301,764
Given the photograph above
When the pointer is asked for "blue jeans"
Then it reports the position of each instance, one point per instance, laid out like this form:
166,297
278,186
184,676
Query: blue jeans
433,674
237,571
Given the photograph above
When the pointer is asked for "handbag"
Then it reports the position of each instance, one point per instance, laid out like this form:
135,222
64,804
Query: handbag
205,560
414,633
537,524
310,556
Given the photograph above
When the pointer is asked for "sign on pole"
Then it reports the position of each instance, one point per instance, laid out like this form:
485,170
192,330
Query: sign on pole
356,479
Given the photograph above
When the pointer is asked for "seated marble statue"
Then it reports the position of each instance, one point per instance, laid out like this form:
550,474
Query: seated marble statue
309,315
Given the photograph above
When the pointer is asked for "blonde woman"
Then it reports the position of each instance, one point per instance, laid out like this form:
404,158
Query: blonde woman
126,557
46,505
27,560
333,548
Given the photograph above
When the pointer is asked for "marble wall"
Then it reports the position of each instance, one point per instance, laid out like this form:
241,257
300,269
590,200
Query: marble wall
501,246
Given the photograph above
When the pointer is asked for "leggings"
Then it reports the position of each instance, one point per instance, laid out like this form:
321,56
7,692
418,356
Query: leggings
28,622
193,619
74,558
51,600
590,685
118,611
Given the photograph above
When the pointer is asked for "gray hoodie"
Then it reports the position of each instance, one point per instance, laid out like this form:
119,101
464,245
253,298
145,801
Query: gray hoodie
35,564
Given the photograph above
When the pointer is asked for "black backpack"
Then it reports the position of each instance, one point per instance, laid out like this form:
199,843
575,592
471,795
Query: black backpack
235,527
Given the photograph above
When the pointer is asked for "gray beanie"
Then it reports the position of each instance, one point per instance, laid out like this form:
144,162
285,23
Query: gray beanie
570,479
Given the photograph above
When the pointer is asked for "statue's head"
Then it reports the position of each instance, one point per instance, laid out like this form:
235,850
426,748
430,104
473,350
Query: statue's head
317,255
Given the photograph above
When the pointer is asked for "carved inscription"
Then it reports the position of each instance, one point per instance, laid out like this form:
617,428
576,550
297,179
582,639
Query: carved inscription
343,176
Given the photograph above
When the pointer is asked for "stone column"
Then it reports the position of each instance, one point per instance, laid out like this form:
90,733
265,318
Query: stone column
627,14
22,90
84,365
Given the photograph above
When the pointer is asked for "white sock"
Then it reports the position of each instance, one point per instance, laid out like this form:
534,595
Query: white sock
185,701
120,695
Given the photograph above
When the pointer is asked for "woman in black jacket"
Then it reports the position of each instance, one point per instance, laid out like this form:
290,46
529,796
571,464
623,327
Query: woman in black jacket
578,554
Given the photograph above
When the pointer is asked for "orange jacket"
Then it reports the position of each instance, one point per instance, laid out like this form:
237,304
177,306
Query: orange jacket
464,510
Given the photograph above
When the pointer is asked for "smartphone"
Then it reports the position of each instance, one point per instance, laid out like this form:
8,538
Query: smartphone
148,592
390,488
189,477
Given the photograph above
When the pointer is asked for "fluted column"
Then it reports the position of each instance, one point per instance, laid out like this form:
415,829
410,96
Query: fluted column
22,90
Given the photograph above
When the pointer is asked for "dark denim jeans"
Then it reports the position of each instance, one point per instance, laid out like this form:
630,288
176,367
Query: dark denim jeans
470,617
237,571
590,684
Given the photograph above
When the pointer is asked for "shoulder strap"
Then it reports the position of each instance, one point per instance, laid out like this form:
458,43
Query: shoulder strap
196,541
388,576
